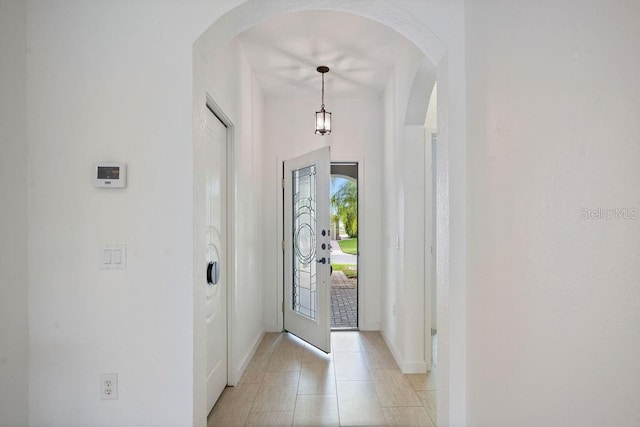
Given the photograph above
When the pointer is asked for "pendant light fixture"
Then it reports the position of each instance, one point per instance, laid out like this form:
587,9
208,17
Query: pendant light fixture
323,118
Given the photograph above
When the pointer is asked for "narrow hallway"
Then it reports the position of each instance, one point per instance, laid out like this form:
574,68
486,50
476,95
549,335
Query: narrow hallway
289,382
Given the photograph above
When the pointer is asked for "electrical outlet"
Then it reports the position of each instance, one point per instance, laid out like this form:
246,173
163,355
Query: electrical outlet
109,386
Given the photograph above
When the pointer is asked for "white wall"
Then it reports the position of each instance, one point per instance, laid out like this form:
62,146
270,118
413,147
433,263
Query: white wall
13,214
403,207
430,128
419,273
356,136
553,299
416,307
111,80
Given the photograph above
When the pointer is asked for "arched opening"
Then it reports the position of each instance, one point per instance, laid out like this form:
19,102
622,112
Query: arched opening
253,12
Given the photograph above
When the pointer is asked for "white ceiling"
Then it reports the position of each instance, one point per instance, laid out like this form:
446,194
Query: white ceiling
285,51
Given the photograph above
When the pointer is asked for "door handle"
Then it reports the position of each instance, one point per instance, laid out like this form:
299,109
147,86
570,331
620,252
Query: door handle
322,260
213,273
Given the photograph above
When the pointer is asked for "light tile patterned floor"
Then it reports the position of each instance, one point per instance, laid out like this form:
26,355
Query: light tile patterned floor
290,383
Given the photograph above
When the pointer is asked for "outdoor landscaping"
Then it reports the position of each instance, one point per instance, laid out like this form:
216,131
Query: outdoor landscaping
349,246
344,277
344,206
349,270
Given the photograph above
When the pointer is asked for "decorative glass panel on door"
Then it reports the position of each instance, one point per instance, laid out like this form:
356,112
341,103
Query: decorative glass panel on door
304,241
306,248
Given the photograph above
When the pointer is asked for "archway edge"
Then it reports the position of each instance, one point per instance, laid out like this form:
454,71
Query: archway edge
451,370
252,12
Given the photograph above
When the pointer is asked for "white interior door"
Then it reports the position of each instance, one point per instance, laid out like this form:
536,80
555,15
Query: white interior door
215,254
307,289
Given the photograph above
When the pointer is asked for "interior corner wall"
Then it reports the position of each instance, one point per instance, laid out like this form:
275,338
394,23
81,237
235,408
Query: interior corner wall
416,309
257,203
356,136
553,307
111,81
13,215
396,317
431,128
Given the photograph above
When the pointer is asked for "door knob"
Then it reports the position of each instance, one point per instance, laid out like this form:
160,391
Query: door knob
322,260
213,273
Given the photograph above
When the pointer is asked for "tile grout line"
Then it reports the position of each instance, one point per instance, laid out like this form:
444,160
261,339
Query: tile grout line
335,380
375,388
265,370
295,404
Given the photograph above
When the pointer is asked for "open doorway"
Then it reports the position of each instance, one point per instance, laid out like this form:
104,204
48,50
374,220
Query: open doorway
344,246
272,126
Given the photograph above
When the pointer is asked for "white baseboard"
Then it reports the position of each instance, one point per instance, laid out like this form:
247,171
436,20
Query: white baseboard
414,367
372,326
272,328
247,359
392,348
406,367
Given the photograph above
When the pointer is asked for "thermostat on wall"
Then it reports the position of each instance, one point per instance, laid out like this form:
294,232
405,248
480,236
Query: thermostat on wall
110,175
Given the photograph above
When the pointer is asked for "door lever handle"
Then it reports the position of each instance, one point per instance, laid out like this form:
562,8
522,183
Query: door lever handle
213,273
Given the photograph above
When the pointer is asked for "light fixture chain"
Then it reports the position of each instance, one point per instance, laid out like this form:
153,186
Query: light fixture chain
322,91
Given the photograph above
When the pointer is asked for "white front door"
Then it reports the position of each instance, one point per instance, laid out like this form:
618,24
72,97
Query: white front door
215,256
307,289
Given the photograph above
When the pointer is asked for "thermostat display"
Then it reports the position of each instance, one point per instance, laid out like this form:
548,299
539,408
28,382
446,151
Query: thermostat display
110,175
108,172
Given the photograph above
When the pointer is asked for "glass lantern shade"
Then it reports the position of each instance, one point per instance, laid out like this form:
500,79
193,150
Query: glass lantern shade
323,122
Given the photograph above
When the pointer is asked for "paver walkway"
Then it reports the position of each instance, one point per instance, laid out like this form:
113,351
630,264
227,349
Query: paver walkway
344,302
